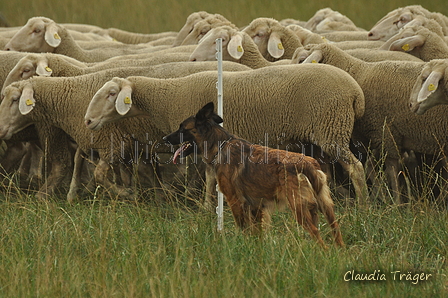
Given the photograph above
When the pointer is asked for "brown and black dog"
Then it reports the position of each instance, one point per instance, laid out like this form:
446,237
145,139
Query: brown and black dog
256,179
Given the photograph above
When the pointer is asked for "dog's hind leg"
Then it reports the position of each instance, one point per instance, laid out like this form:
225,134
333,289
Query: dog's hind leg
326,206
304,206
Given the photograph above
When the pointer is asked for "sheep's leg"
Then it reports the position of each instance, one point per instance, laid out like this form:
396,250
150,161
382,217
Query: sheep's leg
391,171
355,170
101,176
12,156
76,176
58,170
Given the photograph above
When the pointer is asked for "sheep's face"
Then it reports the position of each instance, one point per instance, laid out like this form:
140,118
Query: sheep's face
189,25
32,37
389,25
206,49
111,103
101,109
11,118
430,88
198,32
25,69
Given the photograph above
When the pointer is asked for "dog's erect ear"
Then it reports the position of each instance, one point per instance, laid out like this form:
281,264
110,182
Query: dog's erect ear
206,112
217,119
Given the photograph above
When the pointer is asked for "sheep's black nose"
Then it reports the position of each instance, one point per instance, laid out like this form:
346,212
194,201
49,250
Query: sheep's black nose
7,49
88,122
370,34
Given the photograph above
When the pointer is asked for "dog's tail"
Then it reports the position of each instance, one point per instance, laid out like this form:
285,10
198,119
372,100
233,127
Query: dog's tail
326,206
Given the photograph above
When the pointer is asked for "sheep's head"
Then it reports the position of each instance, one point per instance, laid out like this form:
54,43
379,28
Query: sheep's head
111,103
267,34
192,19
430,88
39,35
28,66
390,24
17,101
201,28
231,44
308,54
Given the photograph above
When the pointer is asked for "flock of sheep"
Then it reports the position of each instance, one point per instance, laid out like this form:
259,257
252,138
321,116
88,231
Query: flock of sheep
76,92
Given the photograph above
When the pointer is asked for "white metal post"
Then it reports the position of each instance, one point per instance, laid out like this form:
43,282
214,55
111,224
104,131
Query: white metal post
220,208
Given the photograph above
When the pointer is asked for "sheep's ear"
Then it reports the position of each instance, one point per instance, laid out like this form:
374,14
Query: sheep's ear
235,46
123,102
275,46
26,101
43,69
407,44
430,85
314,57
51,35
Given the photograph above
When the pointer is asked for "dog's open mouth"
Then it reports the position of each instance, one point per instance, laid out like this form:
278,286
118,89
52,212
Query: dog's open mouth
184,150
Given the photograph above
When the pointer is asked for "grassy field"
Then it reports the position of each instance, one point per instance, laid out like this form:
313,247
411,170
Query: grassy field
103,247
107,248
148,16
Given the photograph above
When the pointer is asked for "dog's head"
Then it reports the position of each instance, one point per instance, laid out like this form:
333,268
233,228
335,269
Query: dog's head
192,131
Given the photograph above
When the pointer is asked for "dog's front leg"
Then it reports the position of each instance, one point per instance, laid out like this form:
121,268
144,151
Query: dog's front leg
210,188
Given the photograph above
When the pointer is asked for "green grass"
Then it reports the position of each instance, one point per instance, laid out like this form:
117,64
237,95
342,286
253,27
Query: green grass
107,248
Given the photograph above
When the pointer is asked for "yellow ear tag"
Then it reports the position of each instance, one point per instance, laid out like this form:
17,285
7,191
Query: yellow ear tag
280,46
29,102
405,47
313,61
48,69
431,87
239,49
127,100
324,38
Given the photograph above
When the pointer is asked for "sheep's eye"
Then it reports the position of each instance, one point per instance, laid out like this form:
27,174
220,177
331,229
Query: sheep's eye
36,31
26,70
112,94
15,98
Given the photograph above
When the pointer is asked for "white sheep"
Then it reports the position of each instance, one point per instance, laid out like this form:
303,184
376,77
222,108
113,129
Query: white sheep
389,25
128,37
375,55
203,26
44,35
345,35
419,42
274,40
254,110
288,21
306,36
345,40
430,88
237,46
48,101
326,19
49,64
387,124
192,19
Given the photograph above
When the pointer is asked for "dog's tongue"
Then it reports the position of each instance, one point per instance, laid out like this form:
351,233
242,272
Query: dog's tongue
179,151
